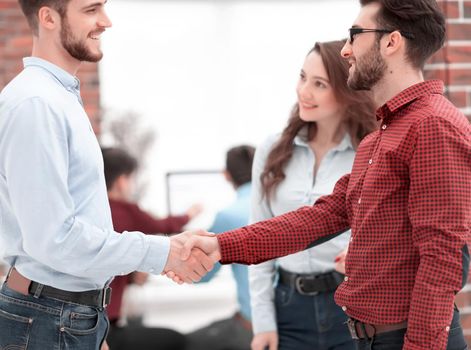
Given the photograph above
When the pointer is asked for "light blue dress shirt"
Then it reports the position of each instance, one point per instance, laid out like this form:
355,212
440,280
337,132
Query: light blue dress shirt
55,220
299,188
234,216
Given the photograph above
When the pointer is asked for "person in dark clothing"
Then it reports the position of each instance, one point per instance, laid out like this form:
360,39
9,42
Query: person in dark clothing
120,168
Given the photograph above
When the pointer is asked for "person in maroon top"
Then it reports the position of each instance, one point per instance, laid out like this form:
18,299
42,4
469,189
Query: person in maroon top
120,168
407,199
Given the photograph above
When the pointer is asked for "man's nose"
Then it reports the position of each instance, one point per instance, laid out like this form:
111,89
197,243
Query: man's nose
346,50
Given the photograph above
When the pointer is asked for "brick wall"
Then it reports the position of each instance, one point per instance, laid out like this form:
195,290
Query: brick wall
452,64
15,43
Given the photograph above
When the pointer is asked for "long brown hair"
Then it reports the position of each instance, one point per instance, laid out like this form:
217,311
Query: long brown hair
359,117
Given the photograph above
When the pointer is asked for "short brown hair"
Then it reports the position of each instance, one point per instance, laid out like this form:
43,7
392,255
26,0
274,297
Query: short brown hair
422,18
117,162
31,8
239,161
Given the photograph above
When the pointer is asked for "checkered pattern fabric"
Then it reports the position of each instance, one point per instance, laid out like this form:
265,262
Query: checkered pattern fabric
408,203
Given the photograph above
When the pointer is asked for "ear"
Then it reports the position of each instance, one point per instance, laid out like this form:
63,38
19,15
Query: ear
48,18
121,182
395,42
227,176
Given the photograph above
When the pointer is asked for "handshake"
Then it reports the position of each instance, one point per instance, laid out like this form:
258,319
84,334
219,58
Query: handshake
192,255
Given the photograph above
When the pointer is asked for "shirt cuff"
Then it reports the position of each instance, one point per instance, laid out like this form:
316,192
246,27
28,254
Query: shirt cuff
263,321
157,254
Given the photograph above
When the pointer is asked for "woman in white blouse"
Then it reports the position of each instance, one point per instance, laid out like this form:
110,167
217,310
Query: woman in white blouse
293,297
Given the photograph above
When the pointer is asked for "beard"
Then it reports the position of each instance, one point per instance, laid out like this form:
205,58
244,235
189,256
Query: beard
75,47
369,70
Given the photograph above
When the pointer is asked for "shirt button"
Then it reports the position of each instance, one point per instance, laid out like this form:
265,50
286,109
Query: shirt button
345,279
370,161
359,200
384,127
447,328
344,308
351,239
151,270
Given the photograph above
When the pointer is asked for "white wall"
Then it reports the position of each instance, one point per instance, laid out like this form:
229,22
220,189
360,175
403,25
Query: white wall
210,74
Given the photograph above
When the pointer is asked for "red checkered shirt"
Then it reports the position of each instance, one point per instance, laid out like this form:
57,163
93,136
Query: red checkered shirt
408,203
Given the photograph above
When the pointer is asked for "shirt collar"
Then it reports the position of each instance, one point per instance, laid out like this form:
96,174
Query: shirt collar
408,95
65,78
345,144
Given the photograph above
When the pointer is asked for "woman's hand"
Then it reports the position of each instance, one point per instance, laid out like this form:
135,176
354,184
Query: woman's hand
340,262
264,340
105,346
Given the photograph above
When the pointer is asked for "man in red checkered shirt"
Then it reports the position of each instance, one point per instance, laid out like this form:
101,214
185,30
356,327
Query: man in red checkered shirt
407,199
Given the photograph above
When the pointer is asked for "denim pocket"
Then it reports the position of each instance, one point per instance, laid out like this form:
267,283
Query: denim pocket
82,321
14,330
283,295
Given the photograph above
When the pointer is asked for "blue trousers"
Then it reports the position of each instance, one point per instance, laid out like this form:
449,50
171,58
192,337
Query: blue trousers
44,323
310,322
395,340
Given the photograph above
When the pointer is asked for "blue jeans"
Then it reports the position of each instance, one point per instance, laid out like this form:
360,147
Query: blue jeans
310,322
46,323
395,340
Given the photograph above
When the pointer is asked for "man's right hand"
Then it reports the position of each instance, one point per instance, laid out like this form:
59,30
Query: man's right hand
265,340
194,242
195,264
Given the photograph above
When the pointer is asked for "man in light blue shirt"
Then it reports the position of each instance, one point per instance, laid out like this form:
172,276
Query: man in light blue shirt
55,221
234,333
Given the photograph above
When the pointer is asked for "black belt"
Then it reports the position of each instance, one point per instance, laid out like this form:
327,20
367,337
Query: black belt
23,285
309,284
360,330
98,297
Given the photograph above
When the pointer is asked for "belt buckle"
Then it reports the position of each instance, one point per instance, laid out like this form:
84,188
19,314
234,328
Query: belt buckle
298,282
106,296
351,324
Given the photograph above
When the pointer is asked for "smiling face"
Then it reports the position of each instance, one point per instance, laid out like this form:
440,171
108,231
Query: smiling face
368,70
367,66
81,27
316,98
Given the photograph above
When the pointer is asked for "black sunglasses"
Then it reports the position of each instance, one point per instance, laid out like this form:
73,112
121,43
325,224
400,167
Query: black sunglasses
354,31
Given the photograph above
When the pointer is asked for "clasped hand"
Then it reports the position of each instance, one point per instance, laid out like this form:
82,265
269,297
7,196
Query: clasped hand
192,255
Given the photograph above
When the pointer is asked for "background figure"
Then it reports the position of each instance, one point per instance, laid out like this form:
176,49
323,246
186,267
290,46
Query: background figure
234,333
120,168
294,169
